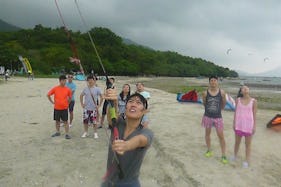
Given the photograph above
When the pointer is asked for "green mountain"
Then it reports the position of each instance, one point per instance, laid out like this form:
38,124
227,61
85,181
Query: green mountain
131,42
6,27
49,49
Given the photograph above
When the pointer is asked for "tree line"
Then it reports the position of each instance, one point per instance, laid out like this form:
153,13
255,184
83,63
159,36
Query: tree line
49,49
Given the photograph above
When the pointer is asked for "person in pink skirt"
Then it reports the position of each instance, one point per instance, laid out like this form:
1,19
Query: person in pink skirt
244,123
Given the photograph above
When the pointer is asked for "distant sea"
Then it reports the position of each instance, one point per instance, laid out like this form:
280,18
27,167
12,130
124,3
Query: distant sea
260,80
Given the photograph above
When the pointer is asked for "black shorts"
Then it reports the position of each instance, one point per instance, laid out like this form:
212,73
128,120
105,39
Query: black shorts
60,115
104,108
71,106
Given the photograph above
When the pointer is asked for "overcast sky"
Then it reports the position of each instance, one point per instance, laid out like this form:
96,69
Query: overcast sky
205,28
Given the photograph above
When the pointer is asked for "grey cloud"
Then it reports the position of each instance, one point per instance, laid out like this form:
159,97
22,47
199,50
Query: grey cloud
203,29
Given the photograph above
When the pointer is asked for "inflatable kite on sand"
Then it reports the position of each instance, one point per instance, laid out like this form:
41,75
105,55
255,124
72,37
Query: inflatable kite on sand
230,103
26,64
192,96
275,123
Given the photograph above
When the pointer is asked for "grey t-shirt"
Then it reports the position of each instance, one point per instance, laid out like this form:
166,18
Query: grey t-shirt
88,101
131,161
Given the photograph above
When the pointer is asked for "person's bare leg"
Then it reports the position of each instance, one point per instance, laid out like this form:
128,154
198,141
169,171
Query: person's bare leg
57,126
248,142
208,138
70,118
102,120
66,127
237,145
222,141
86,126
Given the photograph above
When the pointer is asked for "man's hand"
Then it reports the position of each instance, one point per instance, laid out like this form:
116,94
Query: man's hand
111,94
119,146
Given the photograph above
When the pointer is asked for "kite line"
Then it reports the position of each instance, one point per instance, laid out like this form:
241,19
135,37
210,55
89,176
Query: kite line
75,59
109,85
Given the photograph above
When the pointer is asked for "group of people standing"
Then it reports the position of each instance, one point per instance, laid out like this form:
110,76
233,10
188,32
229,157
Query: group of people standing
244,123
128,147
91,100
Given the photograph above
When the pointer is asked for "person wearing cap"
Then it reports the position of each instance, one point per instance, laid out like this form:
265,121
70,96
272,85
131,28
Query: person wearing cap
62,97
127,151
72,86
214,101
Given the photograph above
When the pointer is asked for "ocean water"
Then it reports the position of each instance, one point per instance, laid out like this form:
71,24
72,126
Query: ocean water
259,86
261,80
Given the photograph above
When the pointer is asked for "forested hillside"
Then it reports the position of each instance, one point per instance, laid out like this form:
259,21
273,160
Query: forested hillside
48,51
4,27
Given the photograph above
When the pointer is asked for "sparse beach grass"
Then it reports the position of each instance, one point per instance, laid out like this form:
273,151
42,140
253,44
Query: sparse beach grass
268,96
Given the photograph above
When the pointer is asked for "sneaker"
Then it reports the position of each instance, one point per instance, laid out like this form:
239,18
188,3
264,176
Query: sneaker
67,136
84,135
56,134
224,160
245,164
96,135
208,154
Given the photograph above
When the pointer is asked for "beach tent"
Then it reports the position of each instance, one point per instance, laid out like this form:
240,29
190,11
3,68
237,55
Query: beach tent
275,123
230,103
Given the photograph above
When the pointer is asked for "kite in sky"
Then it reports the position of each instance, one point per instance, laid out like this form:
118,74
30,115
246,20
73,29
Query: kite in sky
228,51
265,59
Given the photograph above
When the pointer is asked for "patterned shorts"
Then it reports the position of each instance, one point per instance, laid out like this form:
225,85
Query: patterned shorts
208,122
90,116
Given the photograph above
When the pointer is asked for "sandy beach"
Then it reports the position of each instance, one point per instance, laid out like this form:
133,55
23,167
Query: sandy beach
29,157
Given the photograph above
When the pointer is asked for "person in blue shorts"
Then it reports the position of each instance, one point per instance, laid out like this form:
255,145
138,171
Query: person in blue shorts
72,86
